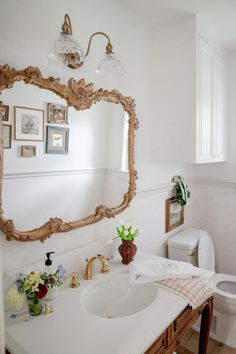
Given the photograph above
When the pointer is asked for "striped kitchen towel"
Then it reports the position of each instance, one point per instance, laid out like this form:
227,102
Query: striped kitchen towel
194,290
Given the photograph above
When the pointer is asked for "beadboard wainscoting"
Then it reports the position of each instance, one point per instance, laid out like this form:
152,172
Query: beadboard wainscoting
213,208
67,194
152,223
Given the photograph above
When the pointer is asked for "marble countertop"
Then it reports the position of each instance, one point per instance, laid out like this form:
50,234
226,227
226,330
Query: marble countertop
72,329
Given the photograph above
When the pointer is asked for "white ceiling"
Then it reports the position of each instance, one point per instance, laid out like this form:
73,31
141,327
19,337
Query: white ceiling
219,15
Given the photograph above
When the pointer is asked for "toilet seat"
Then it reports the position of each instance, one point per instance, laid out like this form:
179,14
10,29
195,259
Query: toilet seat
206,260
224,301
185,244
218,278
223,285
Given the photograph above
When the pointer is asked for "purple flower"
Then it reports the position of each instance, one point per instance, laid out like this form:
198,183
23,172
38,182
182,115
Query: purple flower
61,270
20,275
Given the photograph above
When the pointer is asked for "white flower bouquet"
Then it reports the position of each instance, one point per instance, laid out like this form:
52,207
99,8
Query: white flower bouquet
126,232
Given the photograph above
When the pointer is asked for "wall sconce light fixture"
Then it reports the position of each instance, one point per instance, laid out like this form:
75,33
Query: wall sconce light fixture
66,49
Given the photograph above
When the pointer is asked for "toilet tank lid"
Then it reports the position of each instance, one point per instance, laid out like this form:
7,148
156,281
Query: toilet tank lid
186,239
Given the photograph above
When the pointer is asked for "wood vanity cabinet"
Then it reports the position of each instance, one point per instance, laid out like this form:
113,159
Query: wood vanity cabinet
169,340
190,94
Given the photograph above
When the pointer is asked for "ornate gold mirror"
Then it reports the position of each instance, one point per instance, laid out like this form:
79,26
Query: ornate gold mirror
71,154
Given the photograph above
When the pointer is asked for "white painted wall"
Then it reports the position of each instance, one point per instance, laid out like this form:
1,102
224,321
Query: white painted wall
214,206
28,44
26,39
23,47
175,92
214,196
71,185
88,147
114,138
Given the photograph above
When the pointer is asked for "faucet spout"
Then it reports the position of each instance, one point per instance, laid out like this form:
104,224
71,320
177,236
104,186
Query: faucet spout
89,268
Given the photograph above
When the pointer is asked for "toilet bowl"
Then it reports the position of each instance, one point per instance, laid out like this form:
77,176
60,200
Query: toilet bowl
195,246
224,288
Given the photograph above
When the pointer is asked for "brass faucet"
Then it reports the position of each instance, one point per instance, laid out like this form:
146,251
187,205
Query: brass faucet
89,268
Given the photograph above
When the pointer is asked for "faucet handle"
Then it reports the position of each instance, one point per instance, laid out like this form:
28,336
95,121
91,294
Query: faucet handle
74,283
74,280
105,265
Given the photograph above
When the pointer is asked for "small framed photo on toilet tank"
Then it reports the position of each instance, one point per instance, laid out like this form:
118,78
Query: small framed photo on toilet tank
174,214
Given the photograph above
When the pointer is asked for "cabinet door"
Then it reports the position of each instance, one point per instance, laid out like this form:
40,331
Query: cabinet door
205,102
219,113
211,105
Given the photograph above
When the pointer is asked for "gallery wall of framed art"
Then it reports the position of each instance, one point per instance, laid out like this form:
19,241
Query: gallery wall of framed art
25,124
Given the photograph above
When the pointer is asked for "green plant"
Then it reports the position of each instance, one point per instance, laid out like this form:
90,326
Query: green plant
181,190
179,195
126,232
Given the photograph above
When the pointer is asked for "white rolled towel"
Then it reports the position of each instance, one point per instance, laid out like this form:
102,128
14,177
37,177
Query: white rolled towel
144,271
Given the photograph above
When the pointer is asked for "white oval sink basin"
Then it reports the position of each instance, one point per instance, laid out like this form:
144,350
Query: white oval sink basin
114,297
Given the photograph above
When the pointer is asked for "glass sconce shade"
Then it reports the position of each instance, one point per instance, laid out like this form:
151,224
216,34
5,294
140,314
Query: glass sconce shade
65,48
110,66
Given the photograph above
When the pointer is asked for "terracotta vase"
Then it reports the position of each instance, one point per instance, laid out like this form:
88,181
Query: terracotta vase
127,251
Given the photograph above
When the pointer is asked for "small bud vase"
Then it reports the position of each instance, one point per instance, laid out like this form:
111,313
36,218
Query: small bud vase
34,306
127,251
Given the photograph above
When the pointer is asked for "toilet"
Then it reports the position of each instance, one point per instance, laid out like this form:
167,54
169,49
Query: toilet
195,246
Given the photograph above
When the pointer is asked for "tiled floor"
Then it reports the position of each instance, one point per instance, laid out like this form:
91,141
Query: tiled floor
190,342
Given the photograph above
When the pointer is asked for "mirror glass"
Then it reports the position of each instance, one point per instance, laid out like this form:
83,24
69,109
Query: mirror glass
61,162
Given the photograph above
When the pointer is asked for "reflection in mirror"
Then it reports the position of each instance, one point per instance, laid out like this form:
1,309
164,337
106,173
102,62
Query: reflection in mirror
41,182
87,158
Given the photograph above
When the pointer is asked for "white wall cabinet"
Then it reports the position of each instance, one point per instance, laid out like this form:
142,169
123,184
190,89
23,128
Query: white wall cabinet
211,105
188,95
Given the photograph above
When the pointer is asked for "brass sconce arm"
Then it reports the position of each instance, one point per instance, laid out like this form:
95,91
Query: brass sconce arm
66,49
66,26
108,47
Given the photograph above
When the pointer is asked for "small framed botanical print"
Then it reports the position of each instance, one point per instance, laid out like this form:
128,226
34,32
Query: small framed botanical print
28,150
57,140
6,135
29,124
57,113
174,214
4,112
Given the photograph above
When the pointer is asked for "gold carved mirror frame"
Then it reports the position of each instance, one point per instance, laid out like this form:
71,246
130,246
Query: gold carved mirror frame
81,96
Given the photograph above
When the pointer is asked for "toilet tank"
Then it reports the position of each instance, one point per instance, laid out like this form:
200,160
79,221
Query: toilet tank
183,246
